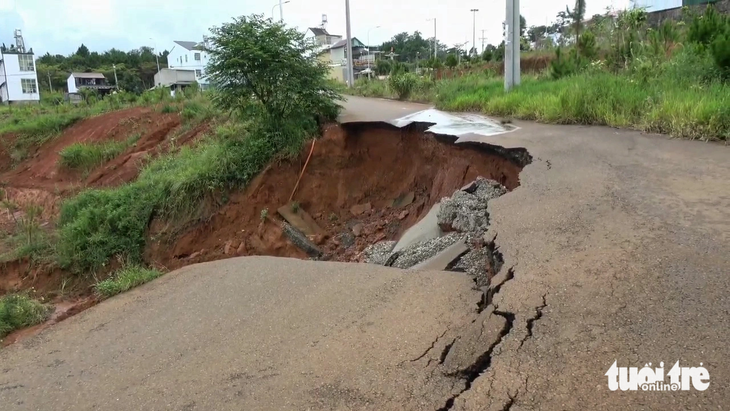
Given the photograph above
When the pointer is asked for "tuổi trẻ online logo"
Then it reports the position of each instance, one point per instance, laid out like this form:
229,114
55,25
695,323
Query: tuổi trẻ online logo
648,379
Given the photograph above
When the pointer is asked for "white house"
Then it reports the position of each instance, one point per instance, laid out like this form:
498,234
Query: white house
189,55
96,81
18,78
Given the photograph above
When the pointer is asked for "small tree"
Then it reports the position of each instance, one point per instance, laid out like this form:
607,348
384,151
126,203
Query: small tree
261,66
451,61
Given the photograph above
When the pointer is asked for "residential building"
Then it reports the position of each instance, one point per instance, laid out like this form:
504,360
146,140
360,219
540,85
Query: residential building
321,37
176,79
95,81
338,51
190,55
18,78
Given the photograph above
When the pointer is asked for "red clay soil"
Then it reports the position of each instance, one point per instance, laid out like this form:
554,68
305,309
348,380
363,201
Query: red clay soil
43,169
372,164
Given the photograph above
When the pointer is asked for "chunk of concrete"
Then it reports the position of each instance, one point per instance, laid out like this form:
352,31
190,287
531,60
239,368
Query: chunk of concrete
300,240
476,340
442,260
426,229
301,220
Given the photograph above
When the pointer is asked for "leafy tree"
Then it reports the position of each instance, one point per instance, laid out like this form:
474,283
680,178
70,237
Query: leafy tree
451,60
264,67
577,15
488,53
408,46
82,51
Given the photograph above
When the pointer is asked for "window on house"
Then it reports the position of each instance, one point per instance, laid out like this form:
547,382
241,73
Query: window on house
186,58
28,86
25,61
198,73
197,56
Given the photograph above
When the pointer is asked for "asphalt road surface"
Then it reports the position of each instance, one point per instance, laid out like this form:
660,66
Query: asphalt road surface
618,248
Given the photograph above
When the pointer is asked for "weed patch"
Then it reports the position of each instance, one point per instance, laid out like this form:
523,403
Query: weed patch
86,156
125,279
19,311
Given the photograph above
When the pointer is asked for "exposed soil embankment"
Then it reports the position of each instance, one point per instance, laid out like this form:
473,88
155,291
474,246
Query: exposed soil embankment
353,187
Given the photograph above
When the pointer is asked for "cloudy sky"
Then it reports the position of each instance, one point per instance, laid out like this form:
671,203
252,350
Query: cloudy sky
60,26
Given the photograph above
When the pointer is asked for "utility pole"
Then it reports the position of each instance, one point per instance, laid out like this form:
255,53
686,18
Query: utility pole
116,82
281,11
512,45
435,53
350,74
50,85
482,39
474,30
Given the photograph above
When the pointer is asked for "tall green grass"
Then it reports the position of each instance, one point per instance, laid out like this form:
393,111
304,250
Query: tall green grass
86,156
19,311
125,279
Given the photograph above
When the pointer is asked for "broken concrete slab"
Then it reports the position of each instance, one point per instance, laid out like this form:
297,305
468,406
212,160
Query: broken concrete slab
444,258
378,253
426,229
475,342
300,240
467,211
423,250
403,200
300,219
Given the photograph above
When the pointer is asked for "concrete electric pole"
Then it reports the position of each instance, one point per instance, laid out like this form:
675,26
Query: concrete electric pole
281,11
350,74
434,38
474,31
512,45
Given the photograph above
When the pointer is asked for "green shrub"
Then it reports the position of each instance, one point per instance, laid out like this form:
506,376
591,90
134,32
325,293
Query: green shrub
168,108
125,279
19,311
403,84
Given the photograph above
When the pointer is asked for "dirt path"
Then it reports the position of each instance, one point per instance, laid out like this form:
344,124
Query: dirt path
615,249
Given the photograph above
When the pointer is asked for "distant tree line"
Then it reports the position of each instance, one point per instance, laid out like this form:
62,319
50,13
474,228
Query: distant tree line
135,68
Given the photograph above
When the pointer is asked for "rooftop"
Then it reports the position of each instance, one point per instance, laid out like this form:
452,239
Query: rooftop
88,75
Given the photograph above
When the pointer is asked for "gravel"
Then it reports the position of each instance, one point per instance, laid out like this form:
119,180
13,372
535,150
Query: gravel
467,211
378,253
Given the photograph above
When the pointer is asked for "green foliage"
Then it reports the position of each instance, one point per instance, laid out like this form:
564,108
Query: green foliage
382,67
586,46
704,28
408,47
86,156
135,68
19,311
403,84
564,66
125,279
99,224
451,60
168,108
721,51
281,77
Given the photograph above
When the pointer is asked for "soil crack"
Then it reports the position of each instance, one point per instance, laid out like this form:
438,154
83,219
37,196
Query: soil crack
531,321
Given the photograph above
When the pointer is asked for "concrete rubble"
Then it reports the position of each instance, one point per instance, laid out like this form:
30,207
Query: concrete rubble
463,217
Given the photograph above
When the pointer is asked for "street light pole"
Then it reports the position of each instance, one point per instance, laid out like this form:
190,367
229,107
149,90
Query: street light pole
281,11
435,55
350,74
279,4
376,27
157,58
512,45
474,30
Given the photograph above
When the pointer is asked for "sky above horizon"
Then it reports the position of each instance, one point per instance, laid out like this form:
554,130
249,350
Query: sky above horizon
60,26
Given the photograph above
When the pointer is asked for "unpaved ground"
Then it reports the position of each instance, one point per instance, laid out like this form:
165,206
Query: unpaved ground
42,181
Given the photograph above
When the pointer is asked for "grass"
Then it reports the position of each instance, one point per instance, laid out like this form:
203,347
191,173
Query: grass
125,279
86,156
19,311
683,97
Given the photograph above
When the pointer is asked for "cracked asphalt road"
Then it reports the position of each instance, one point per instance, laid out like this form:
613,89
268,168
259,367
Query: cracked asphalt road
615,248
